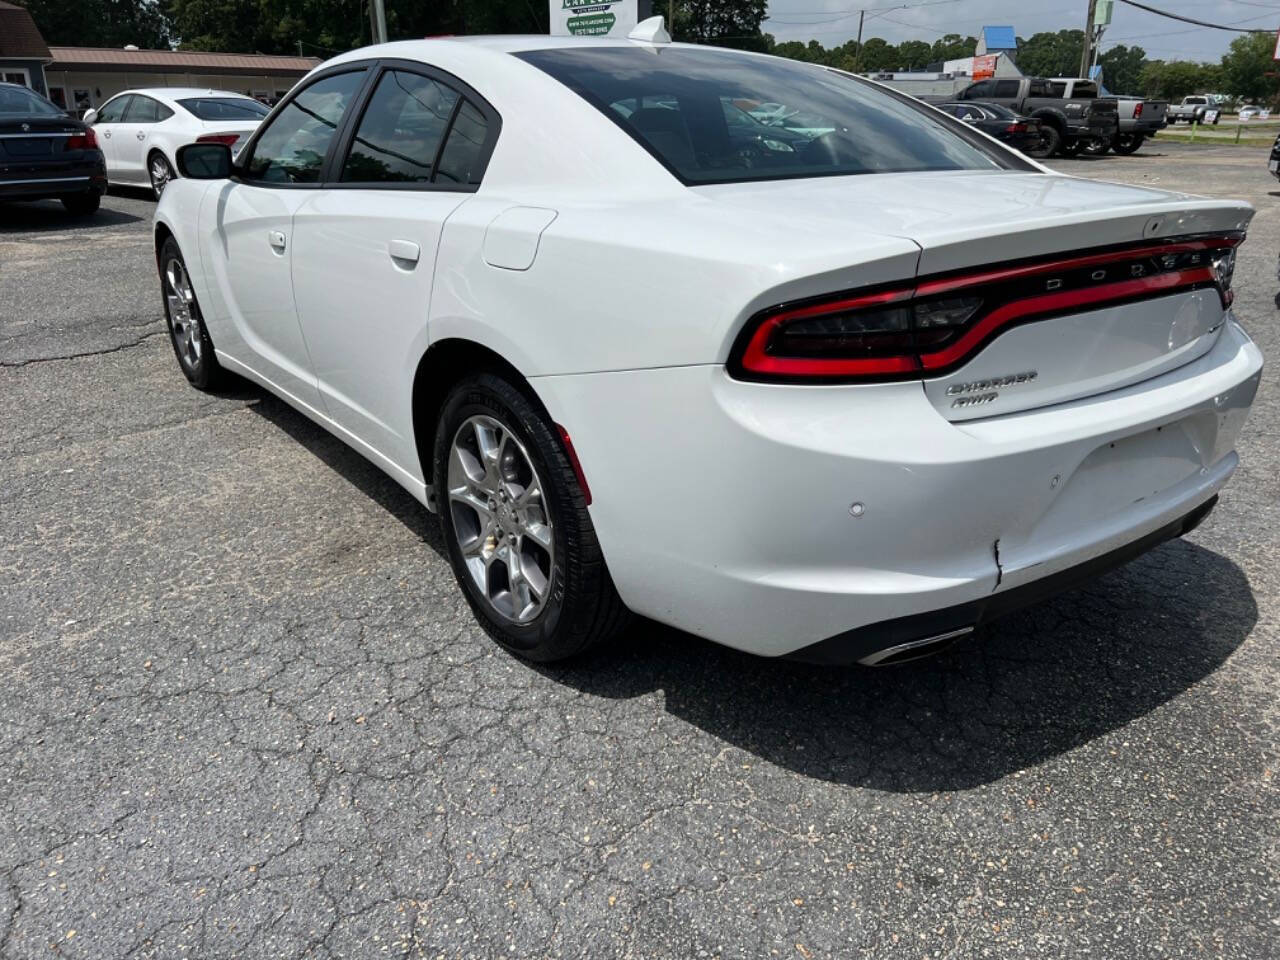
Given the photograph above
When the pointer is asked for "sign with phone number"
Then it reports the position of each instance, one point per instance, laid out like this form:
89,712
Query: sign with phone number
593,18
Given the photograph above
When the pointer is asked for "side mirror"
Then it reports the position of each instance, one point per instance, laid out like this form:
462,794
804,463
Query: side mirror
205,161
90,117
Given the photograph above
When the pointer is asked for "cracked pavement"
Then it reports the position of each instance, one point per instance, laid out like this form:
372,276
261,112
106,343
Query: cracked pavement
246,712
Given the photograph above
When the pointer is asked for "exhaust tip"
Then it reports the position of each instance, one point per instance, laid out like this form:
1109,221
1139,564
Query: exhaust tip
914,649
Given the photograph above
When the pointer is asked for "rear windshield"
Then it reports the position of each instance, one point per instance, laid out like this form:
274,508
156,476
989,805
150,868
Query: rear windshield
225,108
20,102
712,116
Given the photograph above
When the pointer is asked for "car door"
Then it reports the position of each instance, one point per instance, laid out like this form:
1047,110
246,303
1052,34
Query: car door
250,239
110,132
133,140
365,245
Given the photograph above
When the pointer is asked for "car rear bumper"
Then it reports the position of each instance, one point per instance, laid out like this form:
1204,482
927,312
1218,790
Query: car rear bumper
34,181
773,518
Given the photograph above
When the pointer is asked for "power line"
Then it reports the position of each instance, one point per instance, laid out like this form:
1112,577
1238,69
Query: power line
1199,23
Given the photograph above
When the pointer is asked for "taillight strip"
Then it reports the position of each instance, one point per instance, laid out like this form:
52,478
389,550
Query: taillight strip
753,359
1058,303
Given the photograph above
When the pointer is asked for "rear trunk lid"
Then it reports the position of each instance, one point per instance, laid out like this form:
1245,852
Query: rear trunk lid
32,138
1080,236
242,129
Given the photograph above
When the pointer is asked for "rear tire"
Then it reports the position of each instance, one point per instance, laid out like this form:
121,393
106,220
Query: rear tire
1050,140
187,333
1069,148
1095,146
83,204
1126,144
515,522
160,172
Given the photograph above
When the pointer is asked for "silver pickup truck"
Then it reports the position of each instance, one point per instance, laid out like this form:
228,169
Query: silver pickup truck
1192,109
1138,118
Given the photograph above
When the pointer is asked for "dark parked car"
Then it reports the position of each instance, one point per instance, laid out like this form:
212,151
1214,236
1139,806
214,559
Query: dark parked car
1069,118
1273,164
47,154
1021,133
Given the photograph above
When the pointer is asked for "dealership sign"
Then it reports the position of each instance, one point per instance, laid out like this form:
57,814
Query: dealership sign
592,18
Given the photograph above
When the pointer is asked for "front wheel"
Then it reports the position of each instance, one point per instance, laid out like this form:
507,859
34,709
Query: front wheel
187,333
1095,146
1069,148
515,521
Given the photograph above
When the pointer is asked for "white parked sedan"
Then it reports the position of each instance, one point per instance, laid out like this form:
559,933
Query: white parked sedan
844,401
140,131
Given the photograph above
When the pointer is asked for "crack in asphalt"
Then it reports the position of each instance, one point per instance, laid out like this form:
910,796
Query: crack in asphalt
87,353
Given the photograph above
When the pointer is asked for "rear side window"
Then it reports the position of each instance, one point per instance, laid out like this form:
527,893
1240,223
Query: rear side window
224,108
810,121
463,158
292,147
21,102
401,131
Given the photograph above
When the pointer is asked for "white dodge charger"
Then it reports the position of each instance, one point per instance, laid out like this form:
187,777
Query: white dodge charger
841,390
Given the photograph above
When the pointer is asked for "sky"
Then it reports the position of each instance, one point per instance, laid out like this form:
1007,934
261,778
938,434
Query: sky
832,22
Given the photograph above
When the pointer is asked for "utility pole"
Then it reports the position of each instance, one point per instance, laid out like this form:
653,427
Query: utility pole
1087,55
857,57
377,21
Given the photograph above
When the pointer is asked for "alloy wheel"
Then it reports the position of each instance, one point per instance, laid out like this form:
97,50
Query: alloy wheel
500,518
160,174
184,315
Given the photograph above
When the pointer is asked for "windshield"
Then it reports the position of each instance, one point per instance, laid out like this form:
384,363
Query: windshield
225,108
713,116
21,102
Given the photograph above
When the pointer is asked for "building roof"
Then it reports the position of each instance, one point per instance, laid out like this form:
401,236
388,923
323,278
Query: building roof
999,38
111,60
19,36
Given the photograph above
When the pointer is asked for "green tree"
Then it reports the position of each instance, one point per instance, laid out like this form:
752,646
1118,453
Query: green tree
953,47
1051,54
1245,65
1122,68
914,54
1174,79
725,23
100,23
878,54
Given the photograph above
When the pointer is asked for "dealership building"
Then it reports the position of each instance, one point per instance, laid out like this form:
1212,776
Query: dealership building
80,78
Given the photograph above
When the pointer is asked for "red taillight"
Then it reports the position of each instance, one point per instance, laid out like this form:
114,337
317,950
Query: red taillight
82,141
933,325
1137,110
1016,128
226,138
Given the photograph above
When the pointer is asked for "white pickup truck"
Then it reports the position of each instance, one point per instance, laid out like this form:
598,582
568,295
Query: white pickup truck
1193,110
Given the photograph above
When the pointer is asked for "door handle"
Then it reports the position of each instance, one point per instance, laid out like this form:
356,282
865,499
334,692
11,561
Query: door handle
276,239
107,134
141,135
404,251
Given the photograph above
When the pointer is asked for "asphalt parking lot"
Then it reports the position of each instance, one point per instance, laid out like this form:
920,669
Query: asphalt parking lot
246,713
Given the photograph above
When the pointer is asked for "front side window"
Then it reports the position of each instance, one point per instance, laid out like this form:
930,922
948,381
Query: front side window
292,148
983,88
1006,88
142,110
224,108
813,121
113,112
401,130
21,102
